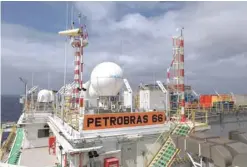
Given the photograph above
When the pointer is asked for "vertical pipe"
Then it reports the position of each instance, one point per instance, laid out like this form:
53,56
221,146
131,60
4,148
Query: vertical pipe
81,103
65,160
178,48
32,94
61,161
174,82
64,79
25,100
80,160
65,62
131,102
24,96
81,67
168,75
181,74
74,86
177,74
77,74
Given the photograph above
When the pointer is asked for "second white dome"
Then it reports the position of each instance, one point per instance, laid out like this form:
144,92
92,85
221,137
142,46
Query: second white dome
107,79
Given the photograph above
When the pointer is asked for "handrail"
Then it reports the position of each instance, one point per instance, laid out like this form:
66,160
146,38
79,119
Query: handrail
8,141
163,137
167,137
178,150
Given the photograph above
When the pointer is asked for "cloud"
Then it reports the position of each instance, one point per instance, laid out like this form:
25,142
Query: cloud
138,37
26,50
96,11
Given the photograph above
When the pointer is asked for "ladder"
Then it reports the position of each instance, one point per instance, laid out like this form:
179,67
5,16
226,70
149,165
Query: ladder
168,152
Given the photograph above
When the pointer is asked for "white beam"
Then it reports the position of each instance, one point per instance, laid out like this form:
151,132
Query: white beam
195,164
166,92
130,93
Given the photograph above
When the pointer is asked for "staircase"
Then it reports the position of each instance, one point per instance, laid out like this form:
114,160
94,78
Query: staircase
15,152
179,161
168,152
5,148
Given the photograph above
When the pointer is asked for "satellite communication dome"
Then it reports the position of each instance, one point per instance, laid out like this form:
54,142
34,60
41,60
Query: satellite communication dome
45,96
90,92
106,79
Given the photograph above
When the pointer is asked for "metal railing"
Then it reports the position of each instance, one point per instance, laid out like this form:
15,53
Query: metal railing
7,144
191,115
218,108
71,117
163,137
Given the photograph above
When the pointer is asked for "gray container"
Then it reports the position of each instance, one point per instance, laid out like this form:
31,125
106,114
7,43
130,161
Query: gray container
240,100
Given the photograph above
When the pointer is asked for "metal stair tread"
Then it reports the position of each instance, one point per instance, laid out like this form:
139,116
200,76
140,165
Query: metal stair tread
168,150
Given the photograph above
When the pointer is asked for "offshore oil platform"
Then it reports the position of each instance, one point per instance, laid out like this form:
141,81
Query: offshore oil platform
85,124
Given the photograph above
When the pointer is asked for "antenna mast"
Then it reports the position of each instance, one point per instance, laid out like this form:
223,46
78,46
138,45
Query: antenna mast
78,40
178,69
48,80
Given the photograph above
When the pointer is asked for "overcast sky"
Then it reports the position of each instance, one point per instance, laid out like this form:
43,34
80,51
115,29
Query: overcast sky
215,42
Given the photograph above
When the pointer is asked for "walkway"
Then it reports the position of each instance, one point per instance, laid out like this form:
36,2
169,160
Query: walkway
46,160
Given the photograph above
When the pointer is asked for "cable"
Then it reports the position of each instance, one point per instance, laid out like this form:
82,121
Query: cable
65,59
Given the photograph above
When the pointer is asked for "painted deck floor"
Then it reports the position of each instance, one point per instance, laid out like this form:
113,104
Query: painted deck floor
37,157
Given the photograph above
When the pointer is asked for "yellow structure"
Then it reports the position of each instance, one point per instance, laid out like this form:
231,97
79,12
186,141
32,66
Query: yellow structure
137,101
67,101
215,99
72,32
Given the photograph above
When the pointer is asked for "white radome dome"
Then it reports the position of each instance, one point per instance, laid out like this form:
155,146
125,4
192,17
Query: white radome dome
90,92
45,96
106,79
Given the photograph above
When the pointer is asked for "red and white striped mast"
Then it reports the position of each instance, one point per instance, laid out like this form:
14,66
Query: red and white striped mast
78,40
178,72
